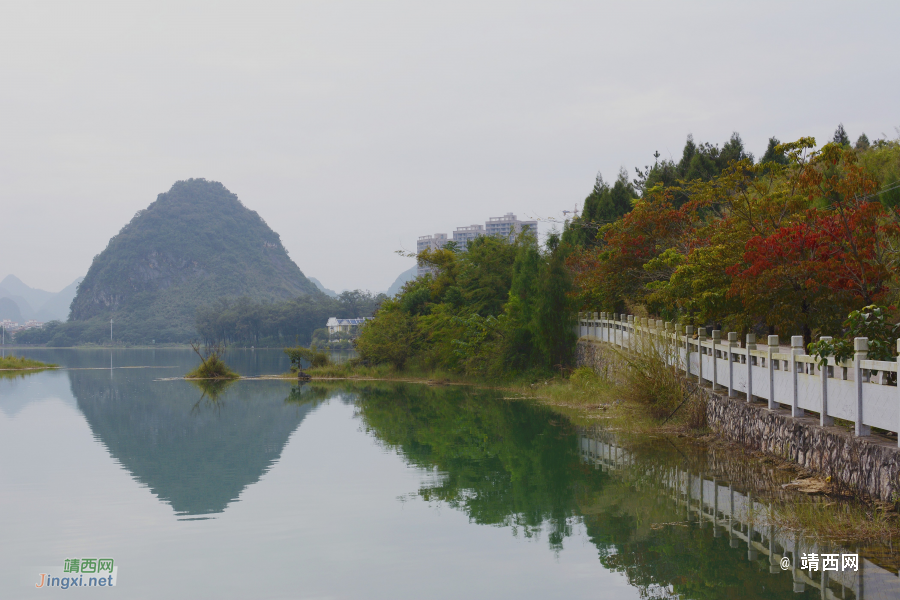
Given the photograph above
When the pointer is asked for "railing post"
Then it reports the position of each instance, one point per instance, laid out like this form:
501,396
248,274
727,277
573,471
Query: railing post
596,325
772,349
631,332
660,336
824,419
751,346
796,348
701,337
688,335
861,351
732,343
603,327
667,337
644,345
716,341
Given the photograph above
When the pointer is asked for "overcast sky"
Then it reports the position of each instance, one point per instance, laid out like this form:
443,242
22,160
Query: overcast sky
355,127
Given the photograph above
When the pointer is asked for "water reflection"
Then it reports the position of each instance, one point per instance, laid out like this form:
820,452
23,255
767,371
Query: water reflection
673,519
196,449
729,528
504,463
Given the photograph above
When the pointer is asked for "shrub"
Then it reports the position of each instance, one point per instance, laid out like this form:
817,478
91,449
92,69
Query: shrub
312,355
211,366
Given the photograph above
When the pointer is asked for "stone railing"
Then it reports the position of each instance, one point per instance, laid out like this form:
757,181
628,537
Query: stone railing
858,390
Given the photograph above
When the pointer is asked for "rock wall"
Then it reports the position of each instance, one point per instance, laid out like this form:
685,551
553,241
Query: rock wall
868,466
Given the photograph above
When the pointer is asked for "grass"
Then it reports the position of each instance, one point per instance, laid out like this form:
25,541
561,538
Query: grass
839,519
638,394
20,363
353,370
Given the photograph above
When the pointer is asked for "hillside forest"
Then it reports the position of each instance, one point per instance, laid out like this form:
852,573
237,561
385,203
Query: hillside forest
232,321
789,243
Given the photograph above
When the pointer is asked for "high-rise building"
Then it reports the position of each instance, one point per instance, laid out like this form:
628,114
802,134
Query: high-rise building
508,226
429,242
463,235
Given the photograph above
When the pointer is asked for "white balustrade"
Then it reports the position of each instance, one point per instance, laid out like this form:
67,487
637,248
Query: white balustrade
858,390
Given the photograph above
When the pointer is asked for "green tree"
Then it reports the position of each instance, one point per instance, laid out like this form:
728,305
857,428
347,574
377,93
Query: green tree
555,321
840,136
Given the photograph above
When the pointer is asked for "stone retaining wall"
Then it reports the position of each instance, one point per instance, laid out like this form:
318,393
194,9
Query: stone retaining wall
868,466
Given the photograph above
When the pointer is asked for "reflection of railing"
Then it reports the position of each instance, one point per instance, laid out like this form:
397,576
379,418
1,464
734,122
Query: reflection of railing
859,390
745,520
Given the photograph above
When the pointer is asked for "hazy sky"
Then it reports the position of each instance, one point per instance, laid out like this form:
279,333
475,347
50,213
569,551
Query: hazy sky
355,127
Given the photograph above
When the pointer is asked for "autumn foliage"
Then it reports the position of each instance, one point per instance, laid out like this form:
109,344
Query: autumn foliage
787,246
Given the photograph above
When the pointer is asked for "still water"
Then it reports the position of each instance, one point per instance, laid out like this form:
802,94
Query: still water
267,489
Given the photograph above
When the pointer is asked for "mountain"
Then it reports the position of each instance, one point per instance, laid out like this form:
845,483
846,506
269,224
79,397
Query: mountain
401,280
38,304
9,309
194,245
13,286
57,307
322,288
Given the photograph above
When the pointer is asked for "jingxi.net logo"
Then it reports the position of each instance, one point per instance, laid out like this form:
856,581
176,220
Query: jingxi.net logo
79,572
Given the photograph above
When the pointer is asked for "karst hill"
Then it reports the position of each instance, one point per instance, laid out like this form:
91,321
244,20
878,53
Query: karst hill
196,244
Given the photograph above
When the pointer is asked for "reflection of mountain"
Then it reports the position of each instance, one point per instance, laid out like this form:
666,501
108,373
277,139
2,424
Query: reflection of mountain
194,453
19,388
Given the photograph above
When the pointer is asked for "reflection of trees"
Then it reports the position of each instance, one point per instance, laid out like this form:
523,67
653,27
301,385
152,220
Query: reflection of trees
304,394
640,532
512,464
503,463
212,389
686,557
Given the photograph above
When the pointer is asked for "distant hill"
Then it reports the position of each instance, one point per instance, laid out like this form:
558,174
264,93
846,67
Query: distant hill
9,309
196,244
57,307
401,280
13,286
38,304
322,288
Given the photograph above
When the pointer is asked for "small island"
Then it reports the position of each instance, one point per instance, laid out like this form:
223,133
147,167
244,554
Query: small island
211,366
20,363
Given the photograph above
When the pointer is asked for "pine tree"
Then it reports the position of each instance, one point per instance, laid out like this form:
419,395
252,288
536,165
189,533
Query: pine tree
772,155
840,136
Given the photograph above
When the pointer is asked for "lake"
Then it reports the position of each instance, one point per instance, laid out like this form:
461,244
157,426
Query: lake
271,489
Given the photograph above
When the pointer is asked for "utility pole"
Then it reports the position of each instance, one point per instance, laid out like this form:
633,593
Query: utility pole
110,331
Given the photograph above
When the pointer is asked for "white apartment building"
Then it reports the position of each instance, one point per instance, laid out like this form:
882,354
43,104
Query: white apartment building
508,226
429,242
463,235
